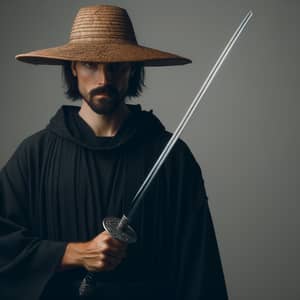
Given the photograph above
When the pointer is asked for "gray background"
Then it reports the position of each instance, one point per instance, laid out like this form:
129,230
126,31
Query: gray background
243,133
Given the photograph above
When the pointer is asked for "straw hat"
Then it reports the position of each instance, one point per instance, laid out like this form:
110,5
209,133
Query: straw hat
102,33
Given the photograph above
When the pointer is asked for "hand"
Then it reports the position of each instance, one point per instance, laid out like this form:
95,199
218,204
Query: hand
103,253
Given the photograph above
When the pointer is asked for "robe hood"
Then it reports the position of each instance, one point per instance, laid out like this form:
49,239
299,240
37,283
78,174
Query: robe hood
139,125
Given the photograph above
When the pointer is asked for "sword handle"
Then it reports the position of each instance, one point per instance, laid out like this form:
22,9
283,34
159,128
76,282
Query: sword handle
88,284
118,229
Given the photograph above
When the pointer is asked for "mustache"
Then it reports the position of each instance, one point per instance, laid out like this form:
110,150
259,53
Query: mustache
107,89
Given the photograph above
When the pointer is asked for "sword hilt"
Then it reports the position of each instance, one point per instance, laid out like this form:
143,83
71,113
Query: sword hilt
118,229
123,224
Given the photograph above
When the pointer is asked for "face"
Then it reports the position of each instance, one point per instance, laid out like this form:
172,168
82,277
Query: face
103,86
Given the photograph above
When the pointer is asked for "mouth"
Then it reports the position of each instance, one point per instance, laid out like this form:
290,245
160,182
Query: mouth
101,95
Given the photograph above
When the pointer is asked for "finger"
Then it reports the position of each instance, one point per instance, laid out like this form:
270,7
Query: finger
105,245
113,260
105,237
110,263
116,243
115,252
116,255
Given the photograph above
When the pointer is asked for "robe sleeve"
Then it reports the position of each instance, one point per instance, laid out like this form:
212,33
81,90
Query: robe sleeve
199,268
26,261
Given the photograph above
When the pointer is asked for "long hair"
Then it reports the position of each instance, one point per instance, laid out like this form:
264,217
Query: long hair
135,85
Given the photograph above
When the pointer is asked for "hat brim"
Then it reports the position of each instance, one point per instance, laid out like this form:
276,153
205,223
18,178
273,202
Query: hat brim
100,52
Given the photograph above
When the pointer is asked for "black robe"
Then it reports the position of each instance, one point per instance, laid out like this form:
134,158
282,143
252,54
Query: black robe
63,180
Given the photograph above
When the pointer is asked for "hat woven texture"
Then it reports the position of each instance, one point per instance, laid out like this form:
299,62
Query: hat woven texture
102,33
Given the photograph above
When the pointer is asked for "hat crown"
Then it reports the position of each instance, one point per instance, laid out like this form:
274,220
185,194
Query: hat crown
102,23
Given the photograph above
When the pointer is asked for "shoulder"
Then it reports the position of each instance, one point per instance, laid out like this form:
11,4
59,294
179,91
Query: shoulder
35,138
181,150
31,142
183,169
180,160
28,148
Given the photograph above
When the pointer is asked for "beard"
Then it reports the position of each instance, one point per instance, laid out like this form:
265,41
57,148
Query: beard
109,101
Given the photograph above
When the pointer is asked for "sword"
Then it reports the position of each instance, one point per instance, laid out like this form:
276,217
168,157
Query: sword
120,228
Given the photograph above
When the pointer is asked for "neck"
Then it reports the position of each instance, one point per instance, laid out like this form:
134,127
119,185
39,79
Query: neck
104,125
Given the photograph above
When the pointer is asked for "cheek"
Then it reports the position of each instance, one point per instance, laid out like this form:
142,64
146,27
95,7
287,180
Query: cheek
84,78
84,82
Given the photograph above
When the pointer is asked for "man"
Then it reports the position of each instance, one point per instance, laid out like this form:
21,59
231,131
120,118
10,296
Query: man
87,164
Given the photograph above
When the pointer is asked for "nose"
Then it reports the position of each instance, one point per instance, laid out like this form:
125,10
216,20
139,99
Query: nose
104,74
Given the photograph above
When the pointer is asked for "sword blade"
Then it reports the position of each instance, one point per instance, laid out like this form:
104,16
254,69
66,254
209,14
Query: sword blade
143,188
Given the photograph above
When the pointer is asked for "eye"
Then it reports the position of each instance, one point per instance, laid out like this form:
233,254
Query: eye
119,67
90,65
113,67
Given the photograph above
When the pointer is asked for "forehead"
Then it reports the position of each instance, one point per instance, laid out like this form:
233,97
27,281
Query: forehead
106,64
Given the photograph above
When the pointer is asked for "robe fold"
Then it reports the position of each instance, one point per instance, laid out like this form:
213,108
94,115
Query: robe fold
63,180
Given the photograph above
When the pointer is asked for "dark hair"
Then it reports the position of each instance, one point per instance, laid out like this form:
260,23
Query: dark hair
135,84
